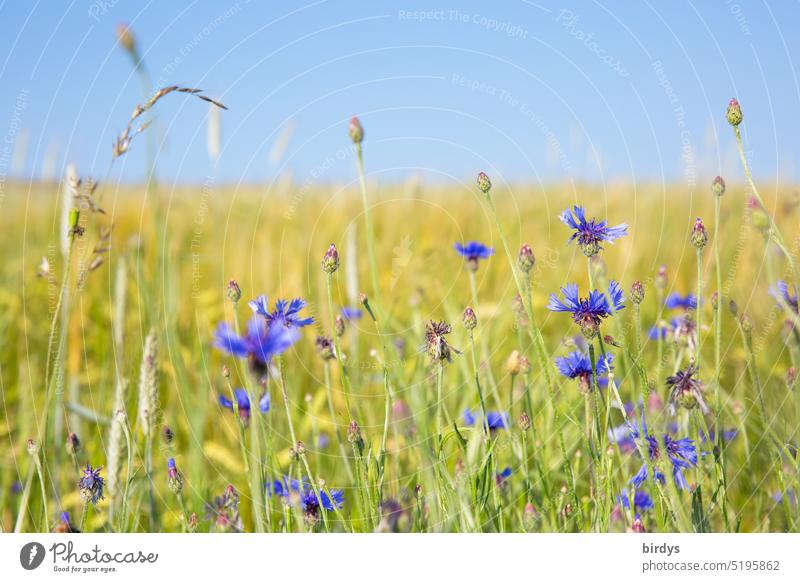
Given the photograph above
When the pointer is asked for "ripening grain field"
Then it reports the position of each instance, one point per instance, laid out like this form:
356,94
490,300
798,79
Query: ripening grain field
293,357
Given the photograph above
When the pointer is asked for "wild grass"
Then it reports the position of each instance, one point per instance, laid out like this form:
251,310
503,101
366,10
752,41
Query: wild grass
384,424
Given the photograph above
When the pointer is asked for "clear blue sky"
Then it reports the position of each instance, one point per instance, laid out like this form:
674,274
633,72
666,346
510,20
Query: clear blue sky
532,91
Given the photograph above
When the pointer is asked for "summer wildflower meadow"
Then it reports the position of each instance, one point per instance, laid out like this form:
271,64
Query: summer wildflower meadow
314,383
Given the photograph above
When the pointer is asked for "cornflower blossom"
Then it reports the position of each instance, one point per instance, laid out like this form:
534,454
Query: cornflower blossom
589,234
473,252
588,313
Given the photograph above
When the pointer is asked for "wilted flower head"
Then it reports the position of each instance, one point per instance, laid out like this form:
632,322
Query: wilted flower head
355,130
224,511
243,403
90,485
435,342
473,251
330,261
687,390
589,234
325,347
588,313
734,113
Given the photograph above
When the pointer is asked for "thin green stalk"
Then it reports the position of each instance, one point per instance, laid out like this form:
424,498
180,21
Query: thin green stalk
376,290
343,377
295,442
26,496
332,412
540,351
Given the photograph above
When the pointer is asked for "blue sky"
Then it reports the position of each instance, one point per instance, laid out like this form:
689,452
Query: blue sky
530,91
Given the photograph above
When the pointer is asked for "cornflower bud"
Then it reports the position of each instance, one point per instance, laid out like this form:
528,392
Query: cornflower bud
330,261
338,326
234,291
526,260
718,186
524,421
174,477
356,130
470,319
699,235
734,113
484,183
637,292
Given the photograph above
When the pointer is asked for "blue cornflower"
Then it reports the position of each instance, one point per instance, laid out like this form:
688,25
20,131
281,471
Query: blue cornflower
284,314
782,294
495,420
591,233
284,487
641,500
258,345
501,476
473,251
351,313
727,435
311,503
589,312
682,455
677,301
577,365
243,403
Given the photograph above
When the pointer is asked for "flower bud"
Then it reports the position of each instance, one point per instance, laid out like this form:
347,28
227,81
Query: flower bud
526,260
338,326
356,130
33,447
699,235
470,319
733,307
524,421
718,186
174,477
226,371
513,365
734,113
791,377
747,323
325,347
484,183
661,278
234,291
330,261
637,292
167,435
524,365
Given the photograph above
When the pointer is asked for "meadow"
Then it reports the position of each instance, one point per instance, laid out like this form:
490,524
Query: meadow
420,383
